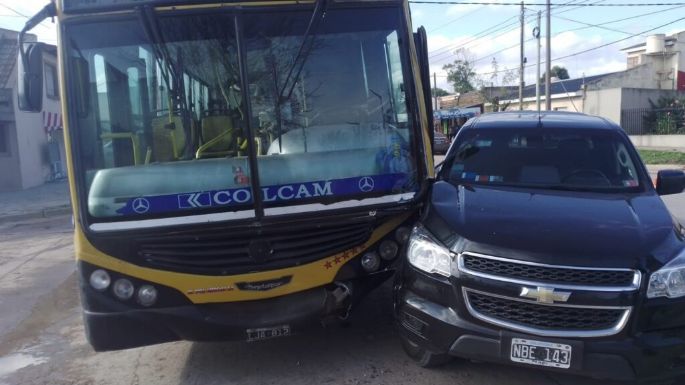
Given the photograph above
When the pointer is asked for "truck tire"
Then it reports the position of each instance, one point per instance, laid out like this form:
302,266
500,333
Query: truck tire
423,357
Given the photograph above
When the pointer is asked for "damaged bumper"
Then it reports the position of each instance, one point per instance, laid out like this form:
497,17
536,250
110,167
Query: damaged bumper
112,324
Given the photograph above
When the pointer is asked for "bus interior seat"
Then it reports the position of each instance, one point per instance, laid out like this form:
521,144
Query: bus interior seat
218,136
168,138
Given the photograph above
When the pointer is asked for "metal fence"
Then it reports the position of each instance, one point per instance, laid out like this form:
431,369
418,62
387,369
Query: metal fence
651,121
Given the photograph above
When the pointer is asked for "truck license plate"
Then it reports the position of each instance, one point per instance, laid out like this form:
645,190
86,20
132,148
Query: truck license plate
541,353
267,333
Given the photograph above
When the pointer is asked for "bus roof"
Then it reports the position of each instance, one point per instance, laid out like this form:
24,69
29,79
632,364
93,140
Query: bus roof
83,6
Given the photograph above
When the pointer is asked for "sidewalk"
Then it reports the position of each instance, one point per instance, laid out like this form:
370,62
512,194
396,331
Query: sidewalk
678,149
653,169
42,201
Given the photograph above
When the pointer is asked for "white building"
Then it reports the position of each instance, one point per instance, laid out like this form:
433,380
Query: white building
31,144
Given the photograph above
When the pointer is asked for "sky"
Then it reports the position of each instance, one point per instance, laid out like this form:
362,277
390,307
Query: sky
488,32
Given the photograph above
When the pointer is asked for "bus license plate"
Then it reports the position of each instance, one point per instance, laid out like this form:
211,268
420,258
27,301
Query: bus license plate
267,333
541,353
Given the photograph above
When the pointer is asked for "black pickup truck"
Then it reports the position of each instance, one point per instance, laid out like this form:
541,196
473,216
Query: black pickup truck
545,244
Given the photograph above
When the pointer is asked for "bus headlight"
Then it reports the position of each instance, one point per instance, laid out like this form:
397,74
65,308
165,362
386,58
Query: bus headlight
370,262
669,281
123,289
147,295
388,249
99,280
402,234
425,253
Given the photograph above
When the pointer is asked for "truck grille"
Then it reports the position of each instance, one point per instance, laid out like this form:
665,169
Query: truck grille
550,320
548,274
239,249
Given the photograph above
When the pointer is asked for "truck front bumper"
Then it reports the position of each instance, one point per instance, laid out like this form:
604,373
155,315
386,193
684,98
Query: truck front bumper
440,329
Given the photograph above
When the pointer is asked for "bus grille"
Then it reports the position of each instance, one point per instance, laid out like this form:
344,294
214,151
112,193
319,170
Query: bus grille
285,247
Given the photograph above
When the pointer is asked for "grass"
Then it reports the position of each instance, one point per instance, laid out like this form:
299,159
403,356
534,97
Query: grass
662,157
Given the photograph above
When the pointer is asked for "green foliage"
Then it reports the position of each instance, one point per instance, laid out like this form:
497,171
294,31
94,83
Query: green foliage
437,92
662,157
460,73
557,72
666,117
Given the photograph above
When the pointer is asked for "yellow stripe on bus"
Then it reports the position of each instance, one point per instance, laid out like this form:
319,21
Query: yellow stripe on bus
208,289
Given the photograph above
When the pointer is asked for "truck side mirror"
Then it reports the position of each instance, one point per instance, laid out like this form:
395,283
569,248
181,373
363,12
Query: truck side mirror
30,87
670,182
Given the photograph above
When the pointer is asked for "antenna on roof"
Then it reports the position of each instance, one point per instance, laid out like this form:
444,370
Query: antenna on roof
539,119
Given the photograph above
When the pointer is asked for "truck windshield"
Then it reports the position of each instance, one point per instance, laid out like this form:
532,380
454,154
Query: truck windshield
582,160
161,112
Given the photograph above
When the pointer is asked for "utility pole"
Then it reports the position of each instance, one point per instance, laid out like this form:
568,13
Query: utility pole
435,91
536,34
548,60
523,59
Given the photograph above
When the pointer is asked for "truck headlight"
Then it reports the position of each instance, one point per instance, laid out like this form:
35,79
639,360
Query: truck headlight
427,254
669,281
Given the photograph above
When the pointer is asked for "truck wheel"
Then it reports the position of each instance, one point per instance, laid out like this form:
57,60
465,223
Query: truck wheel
423,357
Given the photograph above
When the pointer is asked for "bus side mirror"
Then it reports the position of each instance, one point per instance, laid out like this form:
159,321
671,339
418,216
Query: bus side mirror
670,182
30,87
421,44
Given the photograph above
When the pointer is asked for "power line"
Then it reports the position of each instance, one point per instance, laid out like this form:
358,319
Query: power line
619,40
19,14
495,27
544,4
587,25
446,49
476,37
455,20
602,45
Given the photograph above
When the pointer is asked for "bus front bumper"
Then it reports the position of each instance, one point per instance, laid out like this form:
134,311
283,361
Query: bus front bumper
208,322
113,325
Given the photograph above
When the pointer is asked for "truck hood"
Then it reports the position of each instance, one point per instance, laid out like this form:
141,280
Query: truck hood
556,227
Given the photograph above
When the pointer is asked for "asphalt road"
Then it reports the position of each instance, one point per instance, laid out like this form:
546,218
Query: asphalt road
42,339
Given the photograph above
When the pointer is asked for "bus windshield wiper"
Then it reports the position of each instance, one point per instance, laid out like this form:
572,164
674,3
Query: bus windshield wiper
302,53
317,15
172,76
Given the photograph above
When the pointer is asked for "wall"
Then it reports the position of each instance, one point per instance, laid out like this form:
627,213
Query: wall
665,141
642,76
563,103
31,139
10,177
639,98
605,103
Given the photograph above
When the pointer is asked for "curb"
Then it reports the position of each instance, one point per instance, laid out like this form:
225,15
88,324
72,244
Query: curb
47,212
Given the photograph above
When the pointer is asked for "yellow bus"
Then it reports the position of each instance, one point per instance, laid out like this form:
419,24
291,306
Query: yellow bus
238,170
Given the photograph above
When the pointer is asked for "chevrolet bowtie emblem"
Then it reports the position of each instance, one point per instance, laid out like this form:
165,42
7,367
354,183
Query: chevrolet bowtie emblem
545,294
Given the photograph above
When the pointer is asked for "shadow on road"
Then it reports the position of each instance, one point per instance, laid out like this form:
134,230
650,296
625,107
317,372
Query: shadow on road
366,351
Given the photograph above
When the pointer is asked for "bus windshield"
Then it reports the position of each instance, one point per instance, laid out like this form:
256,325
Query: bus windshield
171,110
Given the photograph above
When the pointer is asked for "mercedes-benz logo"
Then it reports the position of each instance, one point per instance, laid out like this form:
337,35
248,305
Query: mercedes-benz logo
140,205
366,184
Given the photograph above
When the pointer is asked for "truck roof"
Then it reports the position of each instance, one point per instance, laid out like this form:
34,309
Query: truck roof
544,119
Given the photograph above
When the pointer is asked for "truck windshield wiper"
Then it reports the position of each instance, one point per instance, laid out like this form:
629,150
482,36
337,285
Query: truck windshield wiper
565,187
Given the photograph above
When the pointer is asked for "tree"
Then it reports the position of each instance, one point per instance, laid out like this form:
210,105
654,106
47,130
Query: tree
495,89
437,92
667,116
460,73
557,72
